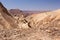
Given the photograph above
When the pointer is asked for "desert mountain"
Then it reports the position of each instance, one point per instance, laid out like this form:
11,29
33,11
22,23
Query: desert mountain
41,26
47,16
48,22
6,19
16,12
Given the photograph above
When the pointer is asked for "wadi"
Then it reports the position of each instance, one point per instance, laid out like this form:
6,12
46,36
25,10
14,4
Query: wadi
16,24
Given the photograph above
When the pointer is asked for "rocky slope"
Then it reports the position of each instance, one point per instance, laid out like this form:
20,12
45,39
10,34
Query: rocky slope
48,22
41,26
6,19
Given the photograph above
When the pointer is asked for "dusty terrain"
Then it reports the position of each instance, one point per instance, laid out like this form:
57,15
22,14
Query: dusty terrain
41,26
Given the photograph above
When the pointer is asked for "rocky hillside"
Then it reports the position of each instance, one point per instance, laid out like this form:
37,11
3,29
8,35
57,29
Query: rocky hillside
48,22
41,26
6,19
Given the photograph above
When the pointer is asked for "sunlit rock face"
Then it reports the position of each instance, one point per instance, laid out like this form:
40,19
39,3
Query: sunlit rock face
43,18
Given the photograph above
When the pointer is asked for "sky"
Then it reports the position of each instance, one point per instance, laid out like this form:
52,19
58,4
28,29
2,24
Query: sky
32,4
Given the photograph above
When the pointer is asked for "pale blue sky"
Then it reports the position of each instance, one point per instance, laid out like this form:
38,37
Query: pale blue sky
32,4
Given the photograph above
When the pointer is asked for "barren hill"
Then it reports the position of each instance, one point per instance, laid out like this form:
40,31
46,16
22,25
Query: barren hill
48,22
41,26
